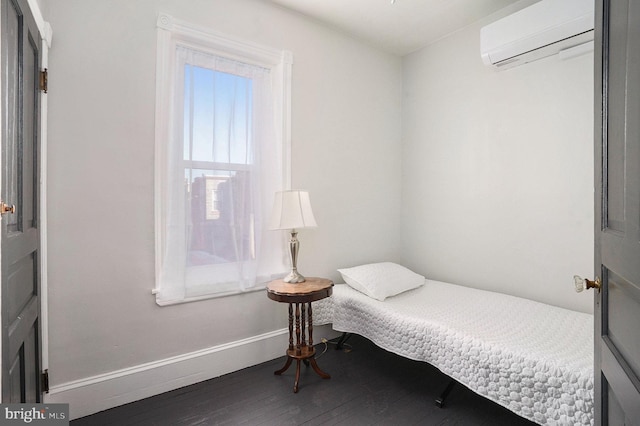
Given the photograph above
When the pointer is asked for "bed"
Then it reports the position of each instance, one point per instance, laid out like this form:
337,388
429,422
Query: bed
532,358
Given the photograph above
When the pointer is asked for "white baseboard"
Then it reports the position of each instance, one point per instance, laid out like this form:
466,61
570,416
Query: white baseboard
93,394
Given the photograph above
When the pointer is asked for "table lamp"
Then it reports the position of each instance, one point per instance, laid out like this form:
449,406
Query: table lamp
292,211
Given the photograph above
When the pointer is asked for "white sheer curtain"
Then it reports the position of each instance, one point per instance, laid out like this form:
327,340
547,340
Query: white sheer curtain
223,165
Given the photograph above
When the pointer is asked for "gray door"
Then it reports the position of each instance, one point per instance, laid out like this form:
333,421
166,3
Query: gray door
617,305
20,175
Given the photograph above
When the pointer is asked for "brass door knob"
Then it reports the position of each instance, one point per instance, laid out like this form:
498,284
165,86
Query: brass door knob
7,208
585,284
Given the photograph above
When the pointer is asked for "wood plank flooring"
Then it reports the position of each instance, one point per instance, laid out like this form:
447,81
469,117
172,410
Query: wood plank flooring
368,386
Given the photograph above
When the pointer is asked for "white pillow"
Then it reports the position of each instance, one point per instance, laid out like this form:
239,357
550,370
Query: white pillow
381,280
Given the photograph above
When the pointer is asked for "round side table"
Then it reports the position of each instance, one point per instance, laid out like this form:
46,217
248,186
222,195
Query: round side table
301,295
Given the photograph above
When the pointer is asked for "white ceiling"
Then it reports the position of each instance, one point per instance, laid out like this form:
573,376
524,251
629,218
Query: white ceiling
400,27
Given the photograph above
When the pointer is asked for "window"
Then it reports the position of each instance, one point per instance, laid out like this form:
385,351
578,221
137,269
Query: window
221,154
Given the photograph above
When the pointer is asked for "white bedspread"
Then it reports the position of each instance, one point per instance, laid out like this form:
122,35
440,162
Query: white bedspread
534,359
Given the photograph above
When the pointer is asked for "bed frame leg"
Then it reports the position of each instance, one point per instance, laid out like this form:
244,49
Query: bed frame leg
345,336
445,393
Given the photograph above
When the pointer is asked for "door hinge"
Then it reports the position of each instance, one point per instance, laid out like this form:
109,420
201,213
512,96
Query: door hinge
45,381
44,80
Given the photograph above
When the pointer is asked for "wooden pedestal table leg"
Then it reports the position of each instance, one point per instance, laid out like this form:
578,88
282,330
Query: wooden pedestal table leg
299,346
310,322
289,359
286,365
298,341
303,321
321,373
297,381
312,360
290,326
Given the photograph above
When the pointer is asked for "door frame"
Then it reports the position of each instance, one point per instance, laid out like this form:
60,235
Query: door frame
599,110
45,30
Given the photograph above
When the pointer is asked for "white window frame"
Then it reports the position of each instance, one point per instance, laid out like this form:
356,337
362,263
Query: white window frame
170,34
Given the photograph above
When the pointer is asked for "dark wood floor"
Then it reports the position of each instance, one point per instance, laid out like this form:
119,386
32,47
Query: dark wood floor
368,386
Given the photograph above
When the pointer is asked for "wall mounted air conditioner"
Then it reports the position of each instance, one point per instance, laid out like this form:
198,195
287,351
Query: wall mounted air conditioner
540,30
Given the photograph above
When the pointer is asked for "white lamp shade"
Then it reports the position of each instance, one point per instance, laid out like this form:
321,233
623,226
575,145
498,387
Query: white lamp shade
292,210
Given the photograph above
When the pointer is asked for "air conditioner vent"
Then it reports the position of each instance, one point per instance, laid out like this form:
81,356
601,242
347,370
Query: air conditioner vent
540,30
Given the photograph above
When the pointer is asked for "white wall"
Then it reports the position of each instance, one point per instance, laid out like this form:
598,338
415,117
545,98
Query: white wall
346,152
498,171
